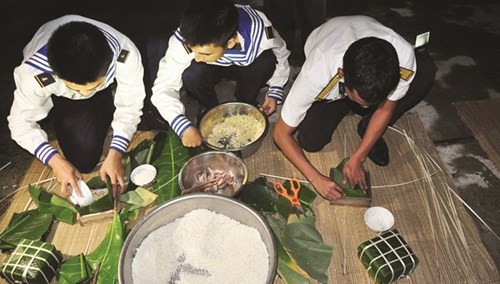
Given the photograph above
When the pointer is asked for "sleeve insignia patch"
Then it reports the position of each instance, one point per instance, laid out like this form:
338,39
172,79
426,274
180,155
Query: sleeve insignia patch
405,74
123,56
269,32
44,79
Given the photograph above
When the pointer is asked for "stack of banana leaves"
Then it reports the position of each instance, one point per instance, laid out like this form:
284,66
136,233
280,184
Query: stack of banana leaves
303,257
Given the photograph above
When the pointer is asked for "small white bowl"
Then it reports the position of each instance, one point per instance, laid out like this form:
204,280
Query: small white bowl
143,175
379,219
86,197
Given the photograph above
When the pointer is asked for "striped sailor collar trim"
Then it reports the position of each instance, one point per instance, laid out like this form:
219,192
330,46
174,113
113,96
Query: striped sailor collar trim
250,31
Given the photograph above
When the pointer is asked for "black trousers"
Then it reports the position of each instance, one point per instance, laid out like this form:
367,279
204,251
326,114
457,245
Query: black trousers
199,79
322,118
81,127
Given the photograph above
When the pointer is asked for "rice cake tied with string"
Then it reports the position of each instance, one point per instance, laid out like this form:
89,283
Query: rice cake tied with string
31,262
387,257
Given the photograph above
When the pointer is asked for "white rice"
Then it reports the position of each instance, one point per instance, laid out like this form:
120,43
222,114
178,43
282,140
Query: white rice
202,247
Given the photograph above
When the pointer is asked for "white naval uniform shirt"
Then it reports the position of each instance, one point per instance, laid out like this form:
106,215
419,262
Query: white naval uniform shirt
324,50
252,29
32,100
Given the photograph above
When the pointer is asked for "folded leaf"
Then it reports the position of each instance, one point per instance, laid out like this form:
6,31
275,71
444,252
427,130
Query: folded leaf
52,204
140,197
96,182
75,270
336,175
31,225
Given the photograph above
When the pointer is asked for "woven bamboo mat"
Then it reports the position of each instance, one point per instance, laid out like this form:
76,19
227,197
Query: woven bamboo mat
482,118
69,239
430,219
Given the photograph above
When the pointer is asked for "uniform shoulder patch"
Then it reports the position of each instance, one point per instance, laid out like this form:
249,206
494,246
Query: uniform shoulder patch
405,74
123,56
322,95
187,48
269,32
44,79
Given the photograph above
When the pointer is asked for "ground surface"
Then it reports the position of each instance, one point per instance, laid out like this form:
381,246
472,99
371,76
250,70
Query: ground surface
465,43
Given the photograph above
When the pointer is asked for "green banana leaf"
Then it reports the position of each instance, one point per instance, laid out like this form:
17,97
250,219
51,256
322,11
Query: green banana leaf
53,204
95,183
291,276
141,154
302,255
259,195
336,175
32,225
138,198
107,254
288,268
170,157
303,241
102,204
75,270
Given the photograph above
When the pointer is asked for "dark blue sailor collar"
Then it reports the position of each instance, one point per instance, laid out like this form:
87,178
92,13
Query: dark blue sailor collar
40,61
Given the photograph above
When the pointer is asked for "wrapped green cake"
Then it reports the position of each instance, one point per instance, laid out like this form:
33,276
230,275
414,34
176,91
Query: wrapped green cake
387,257
31,262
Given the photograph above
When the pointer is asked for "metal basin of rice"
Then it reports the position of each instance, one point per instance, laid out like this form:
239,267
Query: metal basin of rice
259,125
216,160
180,206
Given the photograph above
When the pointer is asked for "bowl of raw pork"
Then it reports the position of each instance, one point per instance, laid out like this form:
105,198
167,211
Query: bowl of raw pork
199,238
235,127
213,172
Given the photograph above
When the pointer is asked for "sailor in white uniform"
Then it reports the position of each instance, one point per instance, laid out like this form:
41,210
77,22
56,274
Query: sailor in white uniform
91,77
353,63
215,40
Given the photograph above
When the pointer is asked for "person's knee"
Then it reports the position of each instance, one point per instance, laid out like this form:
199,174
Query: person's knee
85,166
85,158
310,145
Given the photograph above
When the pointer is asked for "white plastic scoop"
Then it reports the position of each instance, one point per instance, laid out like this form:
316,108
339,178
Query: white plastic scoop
86,197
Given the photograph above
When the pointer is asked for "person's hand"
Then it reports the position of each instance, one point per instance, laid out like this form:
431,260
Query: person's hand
354,173
327,188
113,168
191,137
269,106
66,174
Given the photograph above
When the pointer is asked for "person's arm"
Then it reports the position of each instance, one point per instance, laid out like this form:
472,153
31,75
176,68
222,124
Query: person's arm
353,170
283,136
31,104
282,71
128,100
166,97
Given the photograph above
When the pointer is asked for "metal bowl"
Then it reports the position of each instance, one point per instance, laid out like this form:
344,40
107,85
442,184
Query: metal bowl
180,206
216,161
217,115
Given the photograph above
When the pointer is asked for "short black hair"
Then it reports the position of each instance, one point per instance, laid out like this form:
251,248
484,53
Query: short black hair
371,67
207,22
78,52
